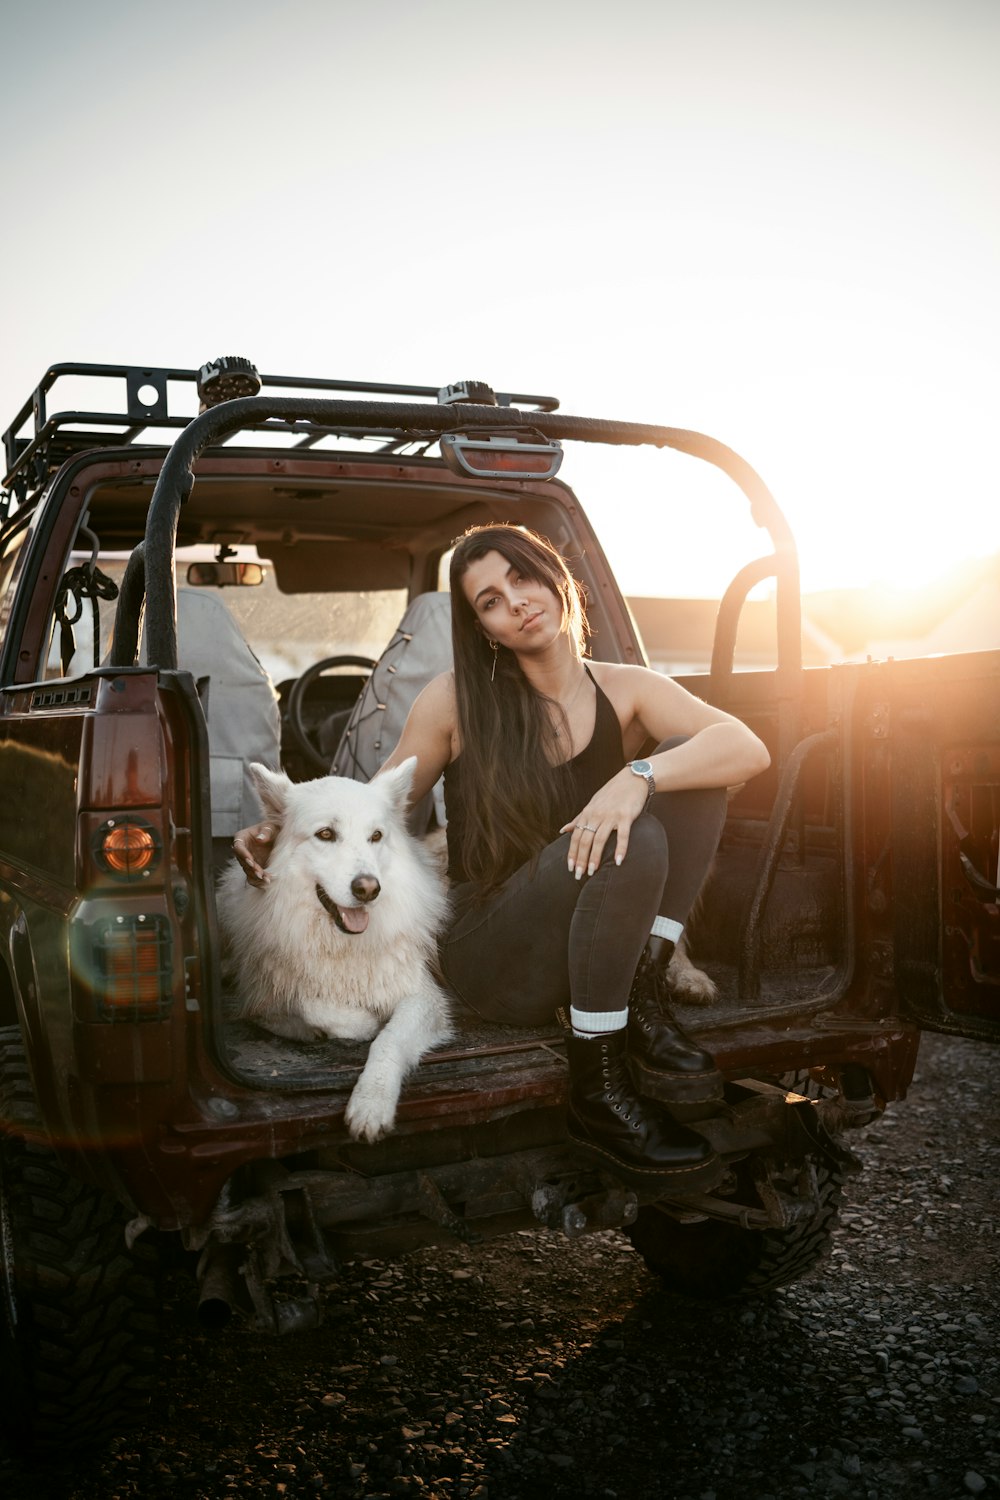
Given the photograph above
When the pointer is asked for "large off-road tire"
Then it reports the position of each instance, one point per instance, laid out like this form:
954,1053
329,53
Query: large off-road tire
714,1260
78,1310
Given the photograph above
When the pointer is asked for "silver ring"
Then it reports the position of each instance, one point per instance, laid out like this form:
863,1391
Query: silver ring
586,828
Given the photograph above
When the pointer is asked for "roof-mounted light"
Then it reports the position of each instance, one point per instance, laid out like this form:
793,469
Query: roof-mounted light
227,379
499,456
467,392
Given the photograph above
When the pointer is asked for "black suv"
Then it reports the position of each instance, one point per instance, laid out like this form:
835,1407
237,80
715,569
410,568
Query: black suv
854,900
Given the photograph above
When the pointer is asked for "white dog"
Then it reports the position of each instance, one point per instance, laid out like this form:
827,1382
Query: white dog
339,942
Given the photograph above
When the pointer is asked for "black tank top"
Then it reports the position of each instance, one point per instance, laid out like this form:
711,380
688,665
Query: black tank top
602,758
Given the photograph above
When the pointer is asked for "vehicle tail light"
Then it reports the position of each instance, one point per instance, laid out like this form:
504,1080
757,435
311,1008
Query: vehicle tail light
127,848
132,969
501,457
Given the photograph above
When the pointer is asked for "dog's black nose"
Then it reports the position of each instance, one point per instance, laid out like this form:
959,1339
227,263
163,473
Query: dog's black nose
365,887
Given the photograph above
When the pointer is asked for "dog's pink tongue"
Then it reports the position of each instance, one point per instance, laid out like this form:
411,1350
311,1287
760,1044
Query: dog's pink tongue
354,918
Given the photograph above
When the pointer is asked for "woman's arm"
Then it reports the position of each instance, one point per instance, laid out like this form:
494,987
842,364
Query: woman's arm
718,751
430,733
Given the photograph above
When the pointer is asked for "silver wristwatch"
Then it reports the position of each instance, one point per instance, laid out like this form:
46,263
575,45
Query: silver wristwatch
644,769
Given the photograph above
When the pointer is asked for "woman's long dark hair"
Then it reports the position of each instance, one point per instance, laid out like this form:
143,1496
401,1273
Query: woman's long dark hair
509,778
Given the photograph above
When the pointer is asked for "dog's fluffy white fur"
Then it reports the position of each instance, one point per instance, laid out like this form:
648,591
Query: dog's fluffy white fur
688,984
340,940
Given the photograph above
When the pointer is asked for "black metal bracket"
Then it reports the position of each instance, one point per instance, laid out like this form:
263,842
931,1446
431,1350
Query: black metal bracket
140,380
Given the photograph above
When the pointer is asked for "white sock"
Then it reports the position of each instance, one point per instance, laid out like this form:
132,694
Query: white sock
597,1022
666,927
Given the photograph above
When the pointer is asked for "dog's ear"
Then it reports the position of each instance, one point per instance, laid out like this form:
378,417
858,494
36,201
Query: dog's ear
272,789
397,784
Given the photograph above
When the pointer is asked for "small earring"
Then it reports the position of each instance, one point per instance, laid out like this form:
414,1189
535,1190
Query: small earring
495,649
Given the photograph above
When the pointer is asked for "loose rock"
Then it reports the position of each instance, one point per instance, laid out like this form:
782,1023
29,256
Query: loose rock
538,1365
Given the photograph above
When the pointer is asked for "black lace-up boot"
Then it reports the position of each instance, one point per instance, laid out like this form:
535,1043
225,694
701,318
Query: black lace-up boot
622,1133
667,1064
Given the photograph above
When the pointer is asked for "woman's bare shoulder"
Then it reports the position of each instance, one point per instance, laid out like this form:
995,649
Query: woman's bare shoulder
436,702
430,731
616,678
619,673
637,692
440,691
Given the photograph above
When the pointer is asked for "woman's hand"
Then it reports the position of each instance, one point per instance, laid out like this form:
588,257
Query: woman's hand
253,848
613,809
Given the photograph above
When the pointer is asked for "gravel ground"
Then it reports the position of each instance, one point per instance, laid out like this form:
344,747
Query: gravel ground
537,1365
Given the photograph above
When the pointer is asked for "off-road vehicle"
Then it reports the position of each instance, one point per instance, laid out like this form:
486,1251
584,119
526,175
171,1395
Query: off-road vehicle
853,902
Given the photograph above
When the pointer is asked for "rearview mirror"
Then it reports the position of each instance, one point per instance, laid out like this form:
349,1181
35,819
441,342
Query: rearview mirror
220,575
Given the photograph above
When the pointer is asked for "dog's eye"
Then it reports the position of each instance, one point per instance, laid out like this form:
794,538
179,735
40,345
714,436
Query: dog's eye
327,834
375,836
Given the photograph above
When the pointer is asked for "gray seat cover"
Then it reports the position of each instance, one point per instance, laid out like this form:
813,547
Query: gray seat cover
419,650
241,706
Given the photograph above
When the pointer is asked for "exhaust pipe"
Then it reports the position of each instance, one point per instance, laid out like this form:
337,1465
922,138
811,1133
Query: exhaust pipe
219,1285
226,1284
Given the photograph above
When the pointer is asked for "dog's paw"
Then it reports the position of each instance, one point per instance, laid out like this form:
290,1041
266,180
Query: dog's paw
690,985
340,1023
369,1114
290,1027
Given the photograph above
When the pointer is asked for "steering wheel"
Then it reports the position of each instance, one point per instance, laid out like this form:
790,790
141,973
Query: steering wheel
296,701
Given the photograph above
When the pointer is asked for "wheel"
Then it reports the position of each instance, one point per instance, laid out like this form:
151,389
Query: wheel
297,698
78,1310
714,1260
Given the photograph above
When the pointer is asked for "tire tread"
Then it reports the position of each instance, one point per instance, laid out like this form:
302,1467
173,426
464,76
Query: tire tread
80,1364
716,1260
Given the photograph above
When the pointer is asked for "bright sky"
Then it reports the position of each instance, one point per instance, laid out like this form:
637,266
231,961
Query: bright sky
775,221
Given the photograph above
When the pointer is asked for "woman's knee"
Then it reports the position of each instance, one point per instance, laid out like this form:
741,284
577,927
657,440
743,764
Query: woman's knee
697,814
706,803
709,802
647,846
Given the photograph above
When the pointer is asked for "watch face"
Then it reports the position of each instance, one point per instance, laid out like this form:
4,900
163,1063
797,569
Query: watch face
641,767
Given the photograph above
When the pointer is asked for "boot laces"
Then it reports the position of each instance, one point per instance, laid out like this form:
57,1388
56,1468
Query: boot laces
617,1091
647,994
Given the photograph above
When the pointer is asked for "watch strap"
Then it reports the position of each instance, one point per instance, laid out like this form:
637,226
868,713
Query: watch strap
647,776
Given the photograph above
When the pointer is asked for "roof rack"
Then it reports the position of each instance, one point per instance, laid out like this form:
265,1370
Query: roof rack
30,459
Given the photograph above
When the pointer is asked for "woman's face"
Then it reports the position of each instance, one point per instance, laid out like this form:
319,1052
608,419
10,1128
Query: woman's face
514,610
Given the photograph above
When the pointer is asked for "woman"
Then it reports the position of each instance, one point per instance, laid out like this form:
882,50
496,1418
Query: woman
558,846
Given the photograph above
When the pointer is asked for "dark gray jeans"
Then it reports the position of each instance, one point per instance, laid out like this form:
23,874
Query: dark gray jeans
545,939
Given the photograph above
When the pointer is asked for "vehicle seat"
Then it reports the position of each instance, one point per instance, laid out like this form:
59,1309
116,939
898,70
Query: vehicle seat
240,704
418,651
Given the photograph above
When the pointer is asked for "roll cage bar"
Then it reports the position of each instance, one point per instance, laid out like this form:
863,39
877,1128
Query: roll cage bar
150,571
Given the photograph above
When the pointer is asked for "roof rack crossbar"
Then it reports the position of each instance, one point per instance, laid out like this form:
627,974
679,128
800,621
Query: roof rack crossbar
22,452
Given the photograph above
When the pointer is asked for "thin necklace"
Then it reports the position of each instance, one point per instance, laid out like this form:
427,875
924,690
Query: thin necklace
567,706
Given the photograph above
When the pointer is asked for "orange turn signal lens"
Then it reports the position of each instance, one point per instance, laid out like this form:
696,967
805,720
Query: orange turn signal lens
127,848
134,965
131,966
